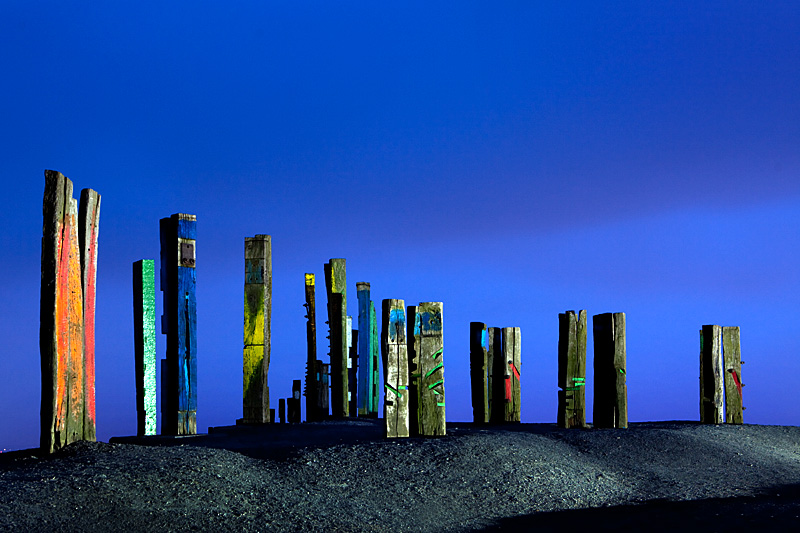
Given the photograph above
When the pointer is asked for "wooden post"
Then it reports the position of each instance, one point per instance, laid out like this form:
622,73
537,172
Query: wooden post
282,410
572,369
366,368
393,343
376,353
312,392
293,403
495,379
144,343
178,281
610,373
67,310
712,392
352,375
732,356
429,343
257,328
336,284
478,372
323,390
414,375
512,366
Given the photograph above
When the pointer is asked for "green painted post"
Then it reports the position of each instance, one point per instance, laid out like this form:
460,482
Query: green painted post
429,345
395,356
572,369
144,340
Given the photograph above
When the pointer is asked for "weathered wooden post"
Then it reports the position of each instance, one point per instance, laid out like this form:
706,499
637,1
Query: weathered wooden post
610,373
393,343
257,328
367,397
414,376
572,369
336,284
352,374
712,391
312,394
512,366
282,410
293,403
144,343
479,373
732,355
429,345
179,322
495,378
323,390
67,311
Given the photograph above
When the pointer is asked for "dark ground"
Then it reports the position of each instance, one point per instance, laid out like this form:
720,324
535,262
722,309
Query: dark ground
344,476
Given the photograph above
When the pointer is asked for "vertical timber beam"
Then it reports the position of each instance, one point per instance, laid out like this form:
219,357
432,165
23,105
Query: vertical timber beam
293,403
144,343
352,375
393,343
257,329
732,355
495,382
365,364
712,392
67,309
414,376
375,347
178,282
336,284
429,342
478,372
512,367
572,369
312,393
610,371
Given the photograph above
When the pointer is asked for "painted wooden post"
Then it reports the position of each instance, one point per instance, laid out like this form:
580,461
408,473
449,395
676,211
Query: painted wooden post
352,374
429,343
732,355
610,371
512,366
495,379
312,393
712,391
393,343
414,376
67,310
282,410
178,281
376,354
572,369
478,372
367,400
336,284
323,390
257,328
144,343
293,403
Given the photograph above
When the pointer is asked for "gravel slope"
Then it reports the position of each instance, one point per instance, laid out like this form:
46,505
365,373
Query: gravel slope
345,477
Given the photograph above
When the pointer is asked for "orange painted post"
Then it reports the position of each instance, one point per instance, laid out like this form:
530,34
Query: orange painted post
66,338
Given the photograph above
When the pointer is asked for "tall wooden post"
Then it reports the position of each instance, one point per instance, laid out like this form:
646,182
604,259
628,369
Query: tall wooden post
336,284
312,393
178,281
610,374
293,403
323,390
479,373
429,343
352,375
144,343
712,391
572,369
376,353
367,399
495,379
414,376
67,310
257,328
393,343
282,410
512,366
731,353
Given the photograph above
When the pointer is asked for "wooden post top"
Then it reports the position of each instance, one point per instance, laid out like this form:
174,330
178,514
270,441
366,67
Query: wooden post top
309,279
362,286
259,237
184,216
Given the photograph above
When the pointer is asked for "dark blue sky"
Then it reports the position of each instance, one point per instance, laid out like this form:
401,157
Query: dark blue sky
513,161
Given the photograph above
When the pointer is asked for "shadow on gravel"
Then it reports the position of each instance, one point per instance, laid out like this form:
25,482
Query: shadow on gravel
777,508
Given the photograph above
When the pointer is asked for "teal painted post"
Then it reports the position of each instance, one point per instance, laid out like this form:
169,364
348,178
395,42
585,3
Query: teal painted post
375,347
178,281
366,389
144,340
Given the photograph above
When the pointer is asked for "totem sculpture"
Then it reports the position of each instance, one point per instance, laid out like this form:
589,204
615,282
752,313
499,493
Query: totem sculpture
610,378
479,372
67,313
395,355
336,285
144,340
257,328
429,350
367,351
495,363
572,369
720,375
312,393
179,323
508,365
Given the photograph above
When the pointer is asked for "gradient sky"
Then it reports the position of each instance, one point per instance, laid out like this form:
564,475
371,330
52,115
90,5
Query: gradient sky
514,161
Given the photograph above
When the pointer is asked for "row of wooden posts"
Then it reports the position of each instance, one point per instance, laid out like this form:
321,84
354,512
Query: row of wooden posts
410,345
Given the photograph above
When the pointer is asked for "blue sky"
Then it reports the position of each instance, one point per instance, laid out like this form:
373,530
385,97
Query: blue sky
514,161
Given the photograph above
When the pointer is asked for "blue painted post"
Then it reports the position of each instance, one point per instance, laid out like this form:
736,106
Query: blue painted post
366,370
179,323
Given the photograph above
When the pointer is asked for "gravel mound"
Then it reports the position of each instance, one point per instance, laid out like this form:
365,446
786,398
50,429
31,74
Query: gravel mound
343,476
